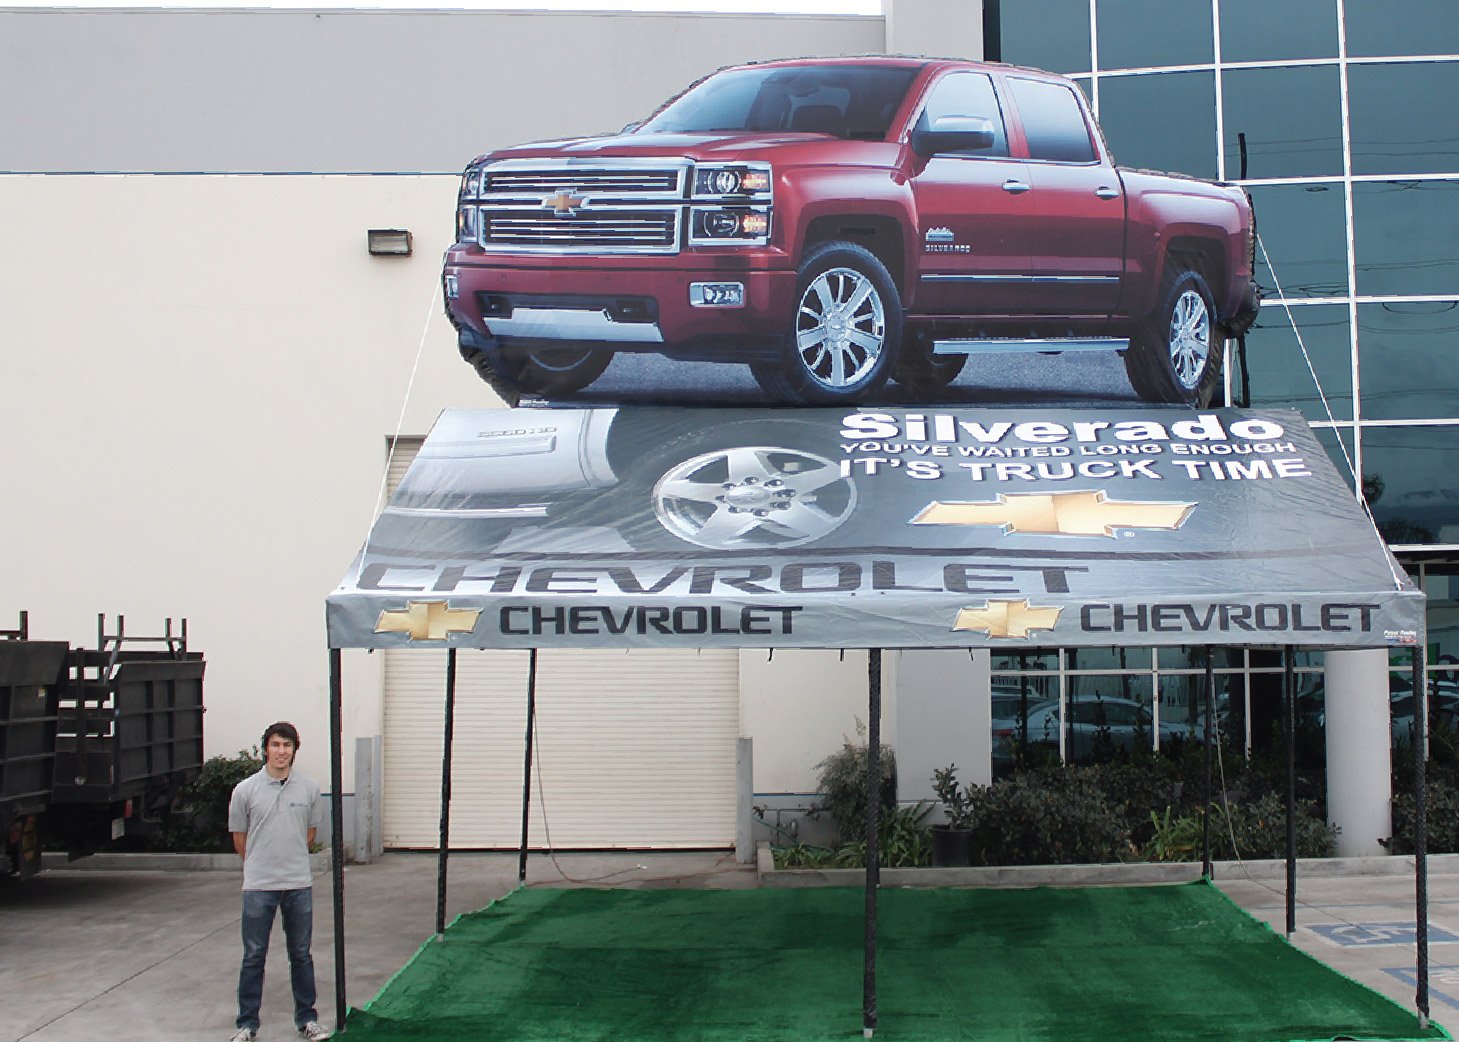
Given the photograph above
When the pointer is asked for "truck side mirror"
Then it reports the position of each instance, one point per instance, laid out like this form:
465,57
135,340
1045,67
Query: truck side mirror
953,134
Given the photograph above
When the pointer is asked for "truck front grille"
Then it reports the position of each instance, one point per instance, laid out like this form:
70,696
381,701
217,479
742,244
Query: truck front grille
573,206
610,227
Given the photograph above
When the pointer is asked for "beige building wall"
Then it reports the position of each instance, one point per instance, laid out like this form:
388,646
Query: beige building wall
201,371
201,375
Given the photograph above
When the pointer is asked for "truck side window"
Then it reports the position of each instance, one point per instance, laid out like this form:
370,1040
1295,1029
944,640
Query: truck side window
967,94
1053,122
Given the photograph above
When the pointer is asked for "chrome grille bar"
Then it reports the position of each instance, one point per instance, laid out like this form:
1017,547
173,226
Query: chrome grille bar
598,181
607,206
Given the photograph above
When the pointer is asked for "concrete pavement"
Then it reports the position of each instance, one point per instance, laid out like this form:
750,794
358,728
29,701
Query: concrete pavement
107,954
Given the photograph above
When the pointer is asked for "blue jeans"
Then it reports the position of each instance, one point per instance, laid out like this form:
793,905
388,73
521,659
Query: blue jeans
258,921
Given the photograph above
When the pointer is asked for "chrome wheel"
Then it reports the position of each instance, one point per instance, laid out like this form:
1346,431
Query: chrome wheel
755,496
840,328
1190,338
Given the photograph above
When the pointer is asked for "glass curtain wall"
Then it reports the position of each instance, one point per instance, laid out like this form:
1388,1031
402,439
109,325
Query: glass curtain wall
1337,117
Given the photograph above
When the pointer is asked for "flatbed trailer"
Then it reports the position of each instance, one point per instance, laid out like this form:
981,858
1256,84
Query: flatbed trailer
95,745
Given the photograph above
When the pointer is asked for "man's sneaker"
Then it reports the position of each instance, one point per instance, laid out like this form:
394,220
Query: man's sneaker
313,1032
244,1035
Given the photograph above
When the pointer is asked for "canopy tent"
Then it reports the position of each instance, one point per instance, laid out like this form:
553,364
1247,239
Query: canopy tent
815,528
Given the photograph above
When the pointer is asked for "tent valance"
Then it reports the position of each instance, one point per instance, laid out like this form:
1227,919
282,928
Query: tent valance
872,528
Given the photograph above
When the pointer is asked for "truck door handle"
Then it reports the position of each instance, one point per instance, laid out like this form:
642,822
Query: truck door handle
1106,192
1015,187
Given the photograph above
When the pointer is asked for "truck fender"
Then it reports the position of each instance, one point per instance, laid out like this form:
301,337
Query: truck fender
857,204
1156,219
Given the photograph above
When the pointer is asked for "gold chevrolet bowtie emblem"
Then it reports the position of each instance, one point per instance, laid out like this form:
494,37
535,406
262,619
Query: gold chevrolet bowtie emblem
427,620
1006,619
1057,513
563,203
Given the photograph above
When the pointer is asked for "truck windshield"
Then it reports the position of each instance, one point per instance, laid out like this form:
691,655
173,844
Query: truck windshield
847,101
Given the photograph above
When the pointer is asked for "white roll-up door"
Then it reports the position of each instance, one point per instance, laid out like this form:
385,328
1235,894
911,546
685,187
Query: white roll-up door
634,749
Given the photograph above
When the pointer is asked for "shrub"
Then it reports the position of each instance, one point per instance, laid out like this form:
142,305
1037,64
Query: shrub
956,798
902,842
199,819
1260,830
842,785
1441,817
1046,818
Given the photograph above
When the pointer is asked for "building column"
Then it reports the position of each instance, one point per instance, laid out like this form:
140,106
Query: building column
943,715
1359,800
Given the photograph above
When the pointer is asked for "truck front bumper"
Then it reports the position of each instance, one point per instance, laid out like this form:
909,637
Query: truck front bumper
650,305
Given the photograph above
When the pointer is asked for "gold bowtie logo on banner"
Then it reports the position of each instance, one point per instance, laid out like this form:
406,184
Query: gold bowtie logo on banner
1057,513
1006,619
427,620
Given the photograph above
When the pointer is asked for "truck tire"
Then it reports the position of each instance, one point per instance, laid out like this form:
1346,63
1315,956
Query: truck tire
923,374
1176,353
846,334
550,371
555,370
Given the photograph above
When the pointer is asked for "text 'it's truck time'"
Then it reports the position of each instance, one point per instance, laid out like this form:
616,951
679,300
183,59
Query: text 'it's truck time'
836,223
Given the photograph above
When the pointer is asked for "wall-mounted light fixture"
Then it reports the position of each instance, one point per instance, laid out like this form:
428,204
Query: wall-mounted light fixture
388,242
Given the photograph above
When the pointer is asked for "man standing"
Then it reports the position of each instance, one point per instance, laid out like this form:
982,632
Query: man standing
273,816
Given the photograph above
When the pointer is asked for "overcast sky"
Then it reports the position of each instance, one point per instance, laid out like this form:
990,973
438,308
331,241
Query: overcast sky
862,7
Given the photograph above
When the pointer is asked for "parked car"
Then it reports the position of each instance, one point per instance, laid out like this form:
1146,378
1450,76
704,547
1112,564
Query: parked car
836,223
1093,726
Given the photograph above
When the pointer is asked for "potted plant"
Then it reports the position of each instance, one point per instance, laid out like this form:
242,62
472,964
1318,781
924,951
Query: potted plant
952,842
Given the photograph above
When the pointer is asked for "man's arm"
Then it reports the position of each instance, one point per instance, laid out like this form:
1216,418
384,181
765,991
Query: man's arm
310,839
240,842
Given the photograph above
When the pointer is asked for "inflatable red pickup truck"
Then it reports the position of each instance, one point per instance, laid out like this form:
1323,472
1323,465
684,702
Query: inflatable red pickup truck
838,223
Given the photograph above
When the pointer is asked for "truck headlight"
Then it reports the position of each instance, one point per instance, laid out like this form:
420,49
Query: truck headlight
740,179
466,223
729,225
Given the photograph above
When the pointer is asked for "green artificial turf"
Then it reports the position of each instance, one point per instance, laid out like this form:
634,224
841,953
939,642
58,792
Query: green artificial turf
1097,965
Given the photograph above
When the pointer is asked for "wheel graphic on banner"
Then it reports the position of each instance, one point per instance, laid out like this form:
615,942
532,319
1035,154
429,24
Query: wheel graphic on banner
753,496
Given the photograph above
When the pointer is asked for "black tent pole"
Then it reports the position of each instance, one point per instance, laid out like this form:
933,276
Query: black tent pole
1206,867
448,733
336,826
1420,835
1289,691
527,761
1022,745
873,827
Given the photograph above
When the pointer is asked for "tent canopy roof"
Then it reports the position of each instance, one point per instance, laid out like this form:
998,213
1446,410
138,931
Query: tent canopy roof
887,528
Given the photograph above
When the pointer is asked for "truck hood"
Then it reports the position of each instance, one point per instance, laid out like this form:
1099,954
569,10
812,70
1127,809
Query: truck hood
727,146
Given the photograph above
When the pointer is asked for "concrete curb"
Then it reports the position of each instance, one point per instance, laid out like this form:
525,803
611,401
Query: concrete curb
107,861
1097,875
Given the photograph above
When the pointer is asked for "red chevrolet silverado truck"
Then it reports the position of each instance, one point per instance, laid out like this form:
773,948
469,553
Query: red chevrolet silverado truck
836,223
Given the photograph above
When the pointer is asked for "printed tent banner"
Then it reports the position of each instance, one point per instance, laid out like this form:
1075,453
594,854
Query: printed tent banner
887,528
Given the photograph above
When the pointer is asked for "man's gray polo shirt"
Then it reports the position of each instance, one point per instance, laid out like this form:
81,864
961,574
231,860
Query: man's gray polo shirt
277,815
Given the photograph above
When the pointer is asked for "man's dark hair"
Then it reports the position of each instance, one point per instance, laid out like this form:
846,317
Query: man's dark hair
283,729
